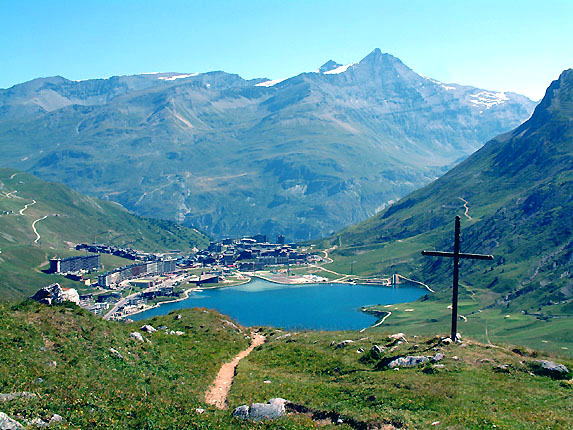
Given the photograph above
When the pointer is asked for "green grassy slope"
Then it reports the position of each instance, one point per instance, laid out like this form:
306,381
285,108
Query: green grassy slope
467,393
62,355
70,218
518,190
156,385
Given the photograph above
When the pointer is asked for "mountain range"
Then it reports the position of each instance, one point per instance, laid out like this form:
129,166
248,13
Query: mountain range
304,156
515,198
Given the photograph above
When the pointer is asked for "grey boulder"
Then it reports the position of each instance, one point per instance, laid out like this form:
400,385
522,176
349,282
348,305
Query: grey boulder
137,336
549,368
148,328
376,351
343,344
409,361
241,412
7,423
274,409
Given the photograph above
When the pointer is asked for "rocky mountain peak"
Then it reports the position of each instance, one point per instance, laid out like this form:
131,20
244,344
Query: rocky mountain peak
328,66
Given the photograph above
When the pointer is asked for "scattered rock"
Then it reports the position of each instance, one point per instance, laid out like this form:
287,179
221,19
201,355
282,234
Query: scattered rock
360,350
485,360
343,344
115,353
376,351
53,294
148,328
267,382
549,368
446,340
177,317
230,324
409,361
137,336
12,396
39,381
438,366
458,337
7,423
199,410
436,423
455,358
502,368
398,336
51,363
39,423
56,419
162,327
179,333
286,335
241,412
439,356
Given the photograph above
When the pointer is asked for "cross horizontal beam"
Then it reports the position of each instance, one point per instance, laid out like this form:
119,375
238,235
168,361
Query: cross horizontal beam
458,255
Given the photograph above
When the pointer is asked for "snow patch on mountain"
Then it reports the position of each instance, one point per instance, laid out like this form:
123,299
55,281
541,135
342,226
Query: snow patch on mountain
269,83
172,78
441,84
488,99
338,70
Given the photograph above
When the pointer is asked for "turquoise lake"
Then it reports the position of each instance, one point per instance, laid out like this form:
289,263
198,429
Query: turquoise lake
306,306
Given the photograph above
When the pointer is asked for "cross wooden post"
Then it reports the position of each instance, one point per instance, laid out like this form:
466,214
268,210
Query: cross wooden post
456,255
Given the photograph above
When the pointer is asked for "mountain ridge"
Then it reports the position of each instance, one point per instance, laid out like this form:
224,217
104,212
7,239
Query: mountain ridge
304,156
515,199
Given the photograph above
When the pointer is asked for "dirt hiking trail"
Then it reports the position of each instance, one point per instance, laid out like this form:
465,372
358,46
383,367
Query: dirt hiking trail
217,393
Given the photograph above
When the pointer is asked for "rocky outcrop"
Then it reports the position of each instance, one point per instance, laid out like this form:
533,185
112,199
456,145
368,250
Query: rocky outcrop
115,353
409,361
137,336
53,294
274,409
7,423
376,351
343,344
549,368
148,328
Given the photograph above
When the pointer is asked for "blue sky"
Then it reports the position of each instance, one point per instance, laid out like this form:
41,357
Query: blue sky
518,46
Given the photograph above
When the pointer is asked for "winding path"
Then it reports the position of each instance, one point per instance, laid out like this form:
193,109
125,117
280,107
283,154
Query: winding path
26,206
34,228
217,393
467,208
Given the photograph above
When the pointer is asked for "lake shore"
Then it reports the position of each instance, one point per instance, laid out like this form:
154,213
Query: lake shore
278,280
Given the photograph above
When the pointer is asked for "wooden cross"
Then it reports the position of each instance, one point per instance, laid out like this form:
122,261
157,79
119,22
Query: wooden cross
456,255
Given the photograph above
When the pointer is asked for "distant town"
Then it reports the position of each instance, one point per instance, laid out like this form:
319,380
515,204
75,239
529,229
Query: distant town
154,278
